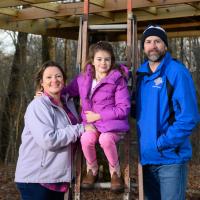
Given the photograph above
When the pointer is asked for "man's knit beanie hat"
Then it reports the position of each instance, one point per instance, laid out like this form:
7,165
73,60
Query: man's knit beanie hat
154,30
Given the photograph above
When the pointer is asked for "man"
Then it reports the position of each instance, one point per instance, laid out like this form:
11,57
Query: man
166,115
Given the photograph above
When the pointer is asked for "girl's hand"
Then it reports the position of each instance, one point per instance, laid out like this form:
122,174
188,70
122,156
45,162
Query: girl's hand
92,116
90,127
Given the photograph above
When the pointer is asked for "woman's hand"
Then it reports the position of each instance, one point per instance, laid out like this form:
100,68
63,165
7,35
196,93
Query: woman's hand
38,94
92,116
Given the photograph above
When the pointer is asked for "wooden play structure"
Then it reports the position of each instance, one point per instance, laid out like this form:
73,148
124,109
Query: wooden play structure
112,20
61,19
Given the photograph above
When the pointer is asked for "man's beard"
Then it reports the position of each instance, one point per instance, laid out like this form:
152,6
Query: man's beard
156,57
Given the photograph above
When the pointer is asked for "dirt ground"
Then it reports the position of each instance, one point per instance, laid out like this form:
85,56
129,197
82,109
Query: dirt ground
8,190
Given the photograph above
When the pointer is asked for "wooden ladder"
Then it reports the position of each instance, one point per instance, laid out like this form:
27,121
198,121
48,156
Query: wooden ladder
131,29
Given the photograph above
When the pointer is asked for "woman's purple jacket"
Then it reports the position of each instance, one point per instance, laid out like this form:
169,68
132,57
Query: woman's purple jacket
110,98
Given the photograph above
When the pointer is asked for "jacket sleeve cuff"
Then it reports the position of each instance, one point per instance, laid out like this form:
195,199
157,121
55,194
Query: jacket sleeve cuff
160,143
81,129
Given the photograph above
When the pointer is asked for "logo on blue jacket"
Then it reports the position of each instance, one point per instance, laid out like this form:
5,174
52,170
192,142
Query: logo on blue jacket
158,82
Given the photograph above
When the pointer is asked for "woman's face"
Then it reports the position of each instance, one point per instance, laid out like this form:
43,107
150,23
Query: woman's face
52,81
102,62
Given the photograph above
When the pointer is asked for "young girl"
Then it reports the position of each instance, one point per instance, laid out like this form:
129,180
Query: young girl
105,103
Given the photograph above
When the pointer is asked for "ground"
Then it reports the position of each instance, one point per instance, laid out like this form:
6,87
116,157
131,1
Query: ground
194,182
8,190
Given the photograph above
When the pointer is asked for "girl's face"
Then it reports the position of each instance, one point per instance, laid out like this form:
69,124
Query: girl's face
52,81
102,62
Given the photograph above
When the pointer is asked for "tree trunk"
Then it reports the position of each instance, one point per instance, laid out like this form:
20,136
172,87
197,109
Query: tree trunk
52,48
48,48
15,103
195,49
45,47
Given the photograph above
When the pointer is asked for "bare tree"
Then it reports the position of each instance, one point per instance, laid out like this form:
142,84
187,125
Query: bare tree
48,48
14,103
195,51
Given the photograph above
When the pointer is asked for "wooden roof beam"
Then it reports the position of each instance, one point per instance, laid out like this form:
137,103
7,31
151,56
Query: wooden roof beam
195,5
108,15
10,3
122,37
163,13
73,19
109,5
100,3
151,10
54,7
162,1
9,11
121,5
116,17
184,33
119,17
13,3
168,13
44,27
37,13
40,26
175,26
77,8
37,1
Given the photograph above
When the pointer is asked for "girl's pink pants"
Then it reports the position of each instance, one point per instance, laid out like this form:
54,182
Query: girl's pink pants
107,142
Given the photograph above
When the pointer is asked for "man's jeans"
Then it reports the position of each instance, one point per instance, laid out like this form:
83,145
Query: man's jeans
165,182
34,191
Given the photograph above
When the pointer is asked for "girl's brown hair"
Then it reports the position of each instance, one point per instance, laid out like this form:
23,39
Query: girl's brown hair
102,46
40,72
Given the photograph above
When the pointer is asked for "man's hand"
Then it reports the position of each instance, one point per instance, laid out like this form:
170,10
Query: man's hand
92,116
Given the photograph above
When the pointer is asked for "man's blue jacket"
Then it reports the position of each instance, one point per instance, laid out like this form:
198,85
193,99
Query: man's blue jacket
166,112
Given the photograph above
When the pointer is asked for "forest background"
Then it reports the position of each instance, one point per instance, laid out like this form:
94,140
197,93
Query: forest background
17,87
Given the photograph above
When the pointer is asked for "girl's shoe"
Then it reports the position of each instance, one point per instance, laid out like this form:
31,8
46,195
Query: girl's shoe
117,184
89,180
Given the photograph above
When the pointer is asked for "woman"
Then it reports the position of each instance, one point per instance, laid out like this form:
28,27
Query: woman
44,167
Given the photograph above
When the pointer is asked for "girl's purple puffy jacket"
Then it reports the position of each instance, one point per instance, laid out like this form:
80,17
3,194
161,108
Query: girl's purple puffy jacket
110,98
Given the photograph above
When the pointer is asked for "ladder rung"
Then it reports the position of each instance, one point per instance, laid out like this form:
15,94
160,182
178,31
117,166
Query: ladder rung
107,185
108,27
102,185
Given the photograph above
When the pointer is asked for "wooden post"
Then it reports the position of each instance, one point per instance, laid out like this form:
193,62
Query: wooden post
132,61
79,46
81,59
129,32
127,189
85,33
77,189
